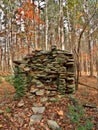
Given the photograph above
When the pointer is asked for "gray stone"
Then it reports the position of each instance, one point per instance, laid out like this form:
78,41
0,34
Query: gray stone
40,92
70,63
1,111
70,78
71,60
53,125
96,109
35,119
37,83
20,62
32,90
38,109
20,104
53,99
53,93
31,96
44,99
27,69
71,86
47,92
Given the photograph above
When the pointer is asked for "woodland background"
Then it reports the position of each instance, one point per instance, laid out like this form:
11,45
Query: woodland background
27,25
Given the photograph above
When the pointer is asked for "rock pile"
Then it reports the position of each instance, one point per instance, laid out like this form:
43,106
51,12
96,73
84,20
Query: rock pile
47,71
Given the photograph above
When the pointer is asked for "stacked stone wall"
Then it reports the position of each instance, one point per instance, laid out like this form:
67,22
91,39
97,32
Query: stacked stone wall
48,71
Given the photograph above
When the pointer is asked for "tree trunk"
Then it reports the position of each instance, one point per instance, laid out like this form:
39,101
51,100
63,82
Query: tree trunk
90,55
61,26
47,25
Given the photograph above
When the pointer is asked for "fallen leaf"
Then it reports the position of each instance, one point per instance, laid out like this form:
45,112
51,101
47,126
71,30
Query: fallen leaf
1,125
60,113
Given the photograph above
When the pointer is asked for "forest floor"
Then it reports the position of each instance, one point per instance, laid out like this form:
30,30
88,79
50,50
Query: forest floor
17,117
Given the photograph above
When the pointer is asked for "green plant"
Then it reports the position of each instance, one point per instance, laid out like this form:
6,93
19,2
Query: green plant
8,109
9,79
54,100
77,114
88,124
0,80
20,85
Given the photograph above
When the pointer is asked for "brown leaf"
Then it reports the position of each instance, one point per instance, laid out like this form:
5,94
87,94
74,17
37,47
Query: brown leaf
60,113
1,125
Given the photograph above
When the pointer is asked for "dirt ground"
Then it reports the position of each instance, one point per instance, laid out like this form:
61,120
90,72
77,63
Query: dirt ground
13,117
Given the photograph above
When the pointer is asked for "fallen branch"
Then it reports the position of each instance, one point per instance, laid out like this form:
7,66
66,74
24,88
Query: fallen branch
88,86
89,105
